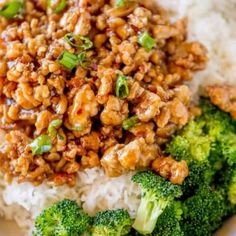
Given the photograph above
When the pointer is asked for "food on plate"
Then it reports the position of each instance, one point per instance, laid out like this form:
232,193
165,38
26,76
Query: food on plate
63,218
117,117
157,194
113,222
204,200
103,85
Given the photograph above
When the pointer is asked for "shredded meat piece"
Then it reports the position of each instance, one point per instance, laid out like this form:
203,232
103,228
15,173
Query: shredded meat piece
223,96
171,169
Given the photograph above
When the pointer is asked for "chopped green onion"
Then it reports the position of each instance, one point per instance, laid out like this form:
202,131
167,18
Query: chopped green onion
41,145
12,9
121,3
122,88
83,61
87,42
78,41
57,8
68,60
146,41
53,126
130,122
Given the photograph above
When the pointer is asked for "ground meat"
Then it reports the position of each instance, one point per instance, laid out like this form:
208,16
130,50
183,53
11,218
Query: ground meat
136,154
37,91
223,96
170,169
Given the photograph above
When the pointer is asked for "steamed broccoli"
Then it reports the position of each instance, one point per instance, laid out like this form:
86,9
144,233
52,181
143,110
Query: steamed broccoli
207,144
112,223
157,194
168,224
64,218
204,212
228,182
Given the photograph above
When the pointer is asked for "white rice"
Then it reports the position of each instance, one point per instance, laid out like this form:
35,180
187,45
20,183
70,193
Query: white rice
94,190
211,22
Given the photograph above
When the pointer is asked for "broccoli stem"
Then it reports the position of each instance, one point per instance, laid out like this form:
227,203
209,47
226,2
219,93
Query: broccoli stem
148,212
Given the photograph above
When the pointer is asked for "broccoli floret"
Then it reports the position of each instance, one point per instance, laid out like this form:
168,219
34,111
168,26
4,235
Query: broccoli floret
228,182
198,174
64,218
112,223
168,224
232,188
204,212
157,194
191,143
206,143
216,121
228,148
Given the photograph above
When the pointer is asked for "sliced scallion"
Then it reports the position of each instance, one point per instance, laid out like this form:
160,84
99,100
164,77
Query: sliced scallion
83,61
122,88
68,60
122,3
57,8
78,41
146,41
41,145
12,9
53,126
130,122
87,43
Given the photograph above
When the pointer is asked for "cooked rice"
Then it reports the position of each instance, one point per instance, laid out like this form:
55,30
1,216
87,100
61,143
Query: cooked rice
210,22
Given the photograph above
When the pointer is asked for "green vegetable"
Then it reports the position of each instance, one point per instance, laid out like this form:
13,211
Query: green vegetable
53,126
121,3
146,41
68,60
83,61
41,145
207,144
60,7
112,223
204,212
122,88
12,9
157,194
78,41
232,188
228,182
65,218
130,122
168,224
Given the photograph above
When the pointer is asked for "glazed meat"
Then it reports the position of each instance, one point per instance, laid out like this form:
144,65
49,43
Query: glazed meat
223,96
92,84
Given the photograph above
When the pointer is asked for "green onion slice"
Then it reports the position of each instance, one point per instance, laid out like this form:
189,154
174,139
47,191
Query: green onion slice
78,41
146,41
122,3
12,9
83,61
130,122
41,145
53,126
122,88
57,8
68,60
